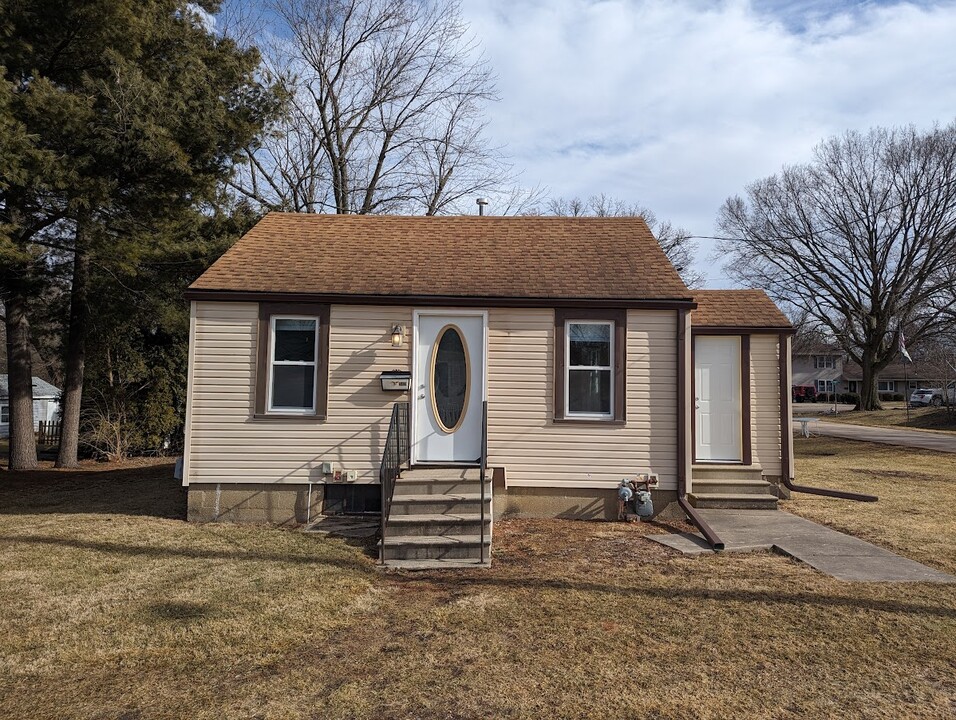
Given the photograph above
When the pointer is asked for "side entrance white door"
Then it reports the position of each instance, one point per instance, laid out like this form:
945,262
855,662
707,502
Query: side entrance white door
718,398
449,386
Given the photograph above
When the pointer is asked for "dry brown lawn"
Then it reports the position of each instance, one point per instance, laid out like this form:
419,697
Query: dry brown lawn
114,607
930,418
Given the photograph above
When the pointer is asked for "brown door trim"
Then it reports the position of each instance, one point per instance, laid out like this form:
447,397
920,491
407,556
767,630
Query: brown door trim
746,430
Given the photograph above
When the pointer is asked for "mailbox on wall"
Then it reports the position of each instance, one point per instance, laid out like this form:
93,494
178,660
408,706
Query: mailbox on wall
396,380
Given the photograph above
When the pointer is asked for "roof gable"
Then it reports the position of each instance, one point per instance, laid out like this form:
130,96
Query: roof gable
463,256
737,308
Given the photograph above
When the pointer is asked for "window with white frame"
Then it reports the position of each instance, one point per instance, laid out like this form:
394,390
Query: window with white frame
293,365
822,362
886,386
4,414
824,386
590,368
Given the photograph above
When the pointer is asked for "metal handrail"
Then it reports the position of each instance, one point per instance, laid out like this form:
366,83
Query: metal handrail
482,472
396,453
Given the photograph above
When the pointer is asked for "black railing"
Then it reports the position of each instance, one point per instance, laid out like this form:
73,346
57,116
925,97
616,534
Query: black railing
397,447
482,472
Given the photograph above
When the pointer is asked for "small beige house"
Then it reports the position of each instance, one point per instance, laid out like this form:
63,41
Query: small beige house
352,363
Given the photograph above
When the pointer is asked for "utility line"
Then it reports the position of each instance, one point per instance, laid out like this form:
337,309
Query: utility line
833,228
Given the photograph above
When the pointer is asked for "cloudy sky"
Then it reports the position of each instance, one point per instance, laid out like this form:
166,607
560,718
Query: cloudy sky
677,104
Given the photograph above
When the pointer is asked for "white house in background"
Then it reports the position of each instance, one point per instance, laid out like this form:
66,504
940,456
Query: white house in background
46,404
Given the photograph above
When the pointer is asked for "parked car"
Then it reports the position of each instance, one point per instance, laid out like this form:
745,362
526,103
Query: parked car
924,397
804,393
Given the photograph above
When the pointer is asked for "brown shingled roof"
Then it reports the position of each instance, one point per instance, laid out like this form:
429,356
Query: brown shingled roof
737,308
464,256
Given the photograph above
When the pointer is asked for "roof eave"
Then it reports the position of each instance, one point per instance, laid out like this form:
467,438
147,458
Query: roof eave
682,303
740,329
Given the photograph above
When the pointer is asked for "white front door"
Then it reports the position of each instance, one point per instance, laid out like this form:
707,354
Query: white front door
449,386
717,387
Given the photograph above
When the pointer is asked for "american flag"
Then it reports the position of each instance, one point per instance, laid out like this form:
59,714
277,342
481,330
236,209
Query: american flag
903,351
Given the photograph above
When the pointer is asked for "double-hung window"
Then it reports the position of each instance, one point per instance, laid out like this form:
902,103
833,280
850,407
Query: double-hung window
886,386
4,414
293,361
293,364
590,369
590,365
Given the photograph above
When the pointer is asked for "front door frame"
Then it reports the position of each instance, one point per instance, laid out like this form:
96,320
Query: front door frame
413,404
746,444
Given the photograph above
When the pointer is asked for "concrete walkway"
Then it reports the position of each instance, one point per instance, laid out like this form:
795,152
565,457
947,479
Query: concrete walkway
925,439
834,553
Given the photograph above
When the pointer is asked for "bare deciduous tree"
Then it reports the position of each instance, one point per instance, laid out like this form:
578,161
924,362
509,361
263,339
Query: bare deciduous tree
861,238
385,114
675,241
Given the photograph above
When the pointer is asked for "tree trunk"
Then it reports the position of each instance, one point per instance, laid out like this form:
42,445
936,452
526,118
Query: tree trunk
75,353
23,445
869,397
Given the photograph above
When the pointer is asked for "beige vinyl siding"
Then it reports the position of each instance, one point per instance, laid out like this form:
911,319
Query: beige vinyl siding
538,452
765,402
227,445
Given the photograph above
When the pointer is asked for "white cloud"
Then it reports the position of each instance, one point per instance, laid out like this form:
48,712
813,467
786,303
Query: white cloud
678,104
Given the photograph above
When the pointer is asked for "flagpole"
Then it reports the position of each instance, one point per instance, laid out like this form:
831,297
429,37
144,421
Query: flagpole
904,356
906,392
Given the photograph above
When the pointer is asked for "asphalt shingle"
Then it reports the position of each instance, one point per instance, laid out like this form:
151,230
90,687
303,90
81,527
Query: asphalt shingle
737,308
462,256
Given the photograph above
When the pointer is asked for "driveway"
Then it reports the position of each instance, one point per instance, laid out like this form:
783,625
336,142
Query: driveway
941,442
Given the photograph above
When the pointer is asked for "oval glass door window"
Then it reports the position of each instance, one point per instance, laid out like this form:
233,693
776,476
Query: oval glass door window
450,381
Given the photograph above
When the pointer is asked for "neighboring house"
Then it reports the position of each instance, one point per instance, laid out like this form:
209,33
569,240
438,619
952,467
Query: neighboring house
820,366
46,404
897,379
595,360
826,368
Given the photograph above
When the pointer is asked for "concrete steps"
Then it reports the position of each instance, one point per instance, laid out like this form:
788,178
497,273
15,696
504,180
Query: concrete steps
447,564
732,501
435,520
739,487
734,487
722,472
440,524
434,547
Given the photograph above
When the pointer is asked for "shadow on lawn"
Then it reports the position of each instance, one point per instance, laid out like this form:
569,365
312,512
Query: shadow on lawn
687,592
131,490
161,552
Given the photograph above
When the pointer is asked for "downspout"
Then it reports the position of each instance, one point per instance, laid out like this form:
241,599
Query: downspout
682,450
786,435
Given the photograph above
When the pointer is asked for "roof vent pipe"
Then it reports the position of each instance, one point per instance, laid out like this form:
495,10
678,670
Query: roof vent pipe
481,205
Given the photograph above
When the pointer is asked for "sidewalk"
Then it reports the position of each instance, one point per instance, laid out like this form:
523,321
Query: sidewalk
925,439
839,555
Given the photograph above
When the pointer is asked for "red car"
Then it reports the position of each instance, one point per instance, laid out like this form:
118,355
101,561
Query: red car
804,393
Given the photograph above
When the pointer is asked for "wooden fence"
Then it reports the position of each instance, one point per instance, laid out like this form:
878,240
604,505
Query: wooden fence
49,432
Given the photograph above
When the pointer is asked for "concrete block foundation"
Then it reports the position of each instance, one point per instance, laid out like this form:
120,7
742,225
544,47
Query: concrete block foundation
572,503
255,503
290,505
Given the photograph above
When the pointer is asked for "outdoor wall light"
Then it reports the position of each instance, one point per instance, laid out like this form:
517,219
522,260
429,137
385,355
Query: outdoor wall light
398,335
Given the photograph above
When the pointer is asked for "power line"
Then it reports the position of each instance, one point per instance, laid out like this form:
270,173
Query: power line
834,228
